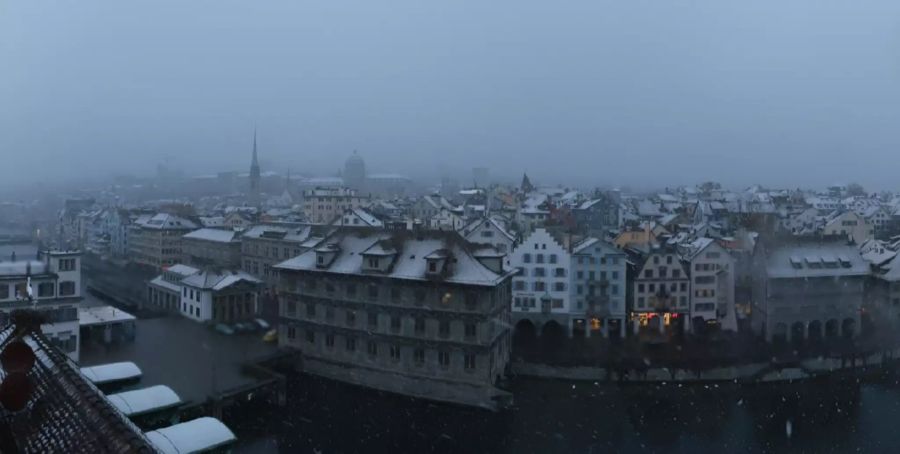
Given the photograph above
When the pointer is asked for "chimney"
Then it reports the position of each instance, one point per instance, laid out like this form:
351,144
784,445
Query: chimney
13,256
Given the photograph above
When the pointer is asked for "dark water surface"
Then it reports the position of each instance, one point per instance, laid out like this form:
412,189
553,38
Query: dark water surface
560,416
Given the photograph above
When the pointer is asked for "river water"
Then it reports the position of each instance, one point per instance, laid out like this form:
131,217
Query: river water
830,415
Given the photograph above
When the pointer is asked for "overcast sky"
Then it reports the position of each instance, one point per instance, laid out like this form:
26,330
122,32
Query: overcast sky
632,92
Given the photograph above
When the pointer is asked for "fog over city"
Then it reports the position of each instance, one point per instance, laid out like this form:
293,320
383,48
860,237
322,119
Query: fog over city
641,93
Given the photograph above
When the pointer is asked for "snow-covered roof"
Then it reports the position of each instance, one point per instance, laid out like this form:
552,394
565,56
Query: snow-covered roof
111,372
160,282
98,315
409,263
166,221
282,233
182,269
819,259
145,400
201,434
216,235
21,267
213,280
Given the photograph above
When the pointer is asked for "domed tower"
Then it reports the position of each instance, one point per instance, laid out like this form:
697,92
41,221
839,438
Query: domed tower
355,171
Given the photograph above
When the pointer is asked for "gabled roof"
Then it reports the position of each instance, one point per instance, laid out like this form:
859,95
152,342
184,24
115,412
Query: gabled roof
213,280
214,235
349,244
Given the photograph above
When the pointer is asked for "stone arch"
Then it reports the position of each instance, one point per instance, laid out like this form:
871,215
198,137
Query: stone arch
814,331
524,331
798,332
780,332
831,329
552,329
848,328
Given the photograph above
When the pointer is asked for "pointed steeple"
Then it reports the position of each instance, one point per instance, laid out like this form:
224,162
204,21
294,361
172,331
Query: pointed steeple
526,184
254,174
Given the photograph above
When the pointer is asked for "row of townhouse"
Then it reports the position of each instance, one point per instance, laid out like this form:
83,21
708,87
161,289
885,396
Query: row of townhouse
589,285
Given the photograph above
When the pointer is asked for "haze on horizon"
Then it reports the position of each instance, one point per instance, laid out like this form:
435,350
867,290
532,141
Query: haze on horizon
801,93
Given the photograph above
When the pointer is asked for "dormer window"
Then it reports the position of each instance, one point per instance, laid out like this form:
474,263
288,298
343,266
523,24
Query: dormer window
432,266
373,262
320,259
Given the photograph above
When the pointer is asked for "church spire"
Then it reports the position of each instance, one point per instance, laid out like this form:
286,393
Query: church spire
254,174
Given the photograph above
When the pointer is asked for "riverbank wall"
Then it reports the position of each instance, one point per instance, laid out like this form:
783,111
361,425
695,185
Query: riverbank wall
759,372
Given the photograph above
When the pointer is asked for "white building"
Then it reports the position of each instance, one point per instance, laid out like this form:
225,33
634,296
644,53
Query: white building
50,284
489,231
712,283
541,293
220,297
849,225
598,286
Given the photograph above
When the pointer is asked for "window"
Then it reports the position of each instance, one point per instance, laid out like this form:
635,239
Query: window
395,352
559,287
310,336
395,323
420,326
469,360
526,258
432,266
372,349
419,356
676,273
373,320
640,302
292,333
470,330
66,288
329,340
292,308
552,258
519,285
640,288
396,294
4,290
351,290
420,296
373,291
444,328
539,272
539,286
648,274
471,301
444,359
46,289
351,344
539,258
351,318
560,272
310,310
614,289
669,259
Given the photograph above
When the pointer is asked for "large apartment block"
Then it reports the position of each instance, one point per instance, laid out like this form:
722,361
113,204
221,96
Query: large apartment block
423,314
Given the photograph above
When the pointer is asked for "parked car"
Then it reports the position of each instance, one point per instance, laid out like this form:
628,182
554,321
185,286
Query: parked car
224,329
271,336
262,323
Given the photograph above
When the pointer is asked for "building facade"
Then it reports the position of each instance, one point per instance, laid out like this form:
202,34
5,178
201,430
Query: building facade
323,205
264,246
211,247
155,241
661,290
712,284
809,289
220,296
599,281
415,314
50,284
541,289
